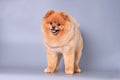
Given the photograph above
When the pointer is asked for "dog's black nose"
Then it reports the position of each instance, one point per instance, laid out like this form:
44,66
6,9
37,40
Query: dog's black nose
53,27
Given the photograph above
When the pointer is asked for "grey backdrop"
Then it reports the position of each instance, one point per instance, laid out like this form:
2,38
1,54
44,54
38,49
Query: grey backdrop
21,43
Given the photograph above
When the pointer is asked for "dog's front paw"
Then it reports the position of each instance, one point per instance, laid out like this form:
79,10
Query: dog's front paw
48,70
69,71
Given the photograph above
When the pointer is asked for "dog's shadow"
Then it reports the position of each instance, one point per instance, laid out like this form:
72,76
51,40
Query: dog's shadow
87,53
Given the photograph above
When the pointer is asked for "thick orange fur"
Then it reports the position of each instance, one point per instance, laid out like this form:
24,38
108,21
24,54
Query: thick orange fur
67,41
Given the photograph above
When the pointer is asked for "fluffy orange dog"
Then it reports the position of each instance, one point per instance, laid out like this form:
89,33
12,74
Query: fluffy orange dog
62,37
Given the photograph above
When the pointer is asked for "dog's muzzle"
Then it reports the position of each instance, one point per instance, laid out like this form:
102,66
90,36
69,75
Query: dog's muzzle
54,30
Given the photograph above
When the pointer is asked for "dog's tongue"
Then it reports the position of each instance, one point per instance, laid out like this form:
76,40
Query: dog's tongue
53,31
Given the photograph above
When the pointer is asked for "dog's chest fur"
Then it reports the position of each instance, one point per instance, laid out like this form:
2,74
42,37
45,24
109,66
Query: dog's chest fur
59,49
63,46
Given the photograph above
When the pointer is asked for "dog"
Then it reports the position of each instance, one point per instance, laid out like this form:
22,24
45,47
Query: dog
62,37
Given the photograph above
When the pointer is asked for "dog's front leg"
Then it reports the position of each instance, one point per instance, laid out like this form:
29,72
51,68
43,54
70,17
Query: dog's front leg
69,61
52,62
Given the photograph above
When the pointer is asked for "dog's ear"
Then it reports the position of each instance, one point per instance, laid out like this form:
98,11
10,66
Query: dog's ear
65,16
49,12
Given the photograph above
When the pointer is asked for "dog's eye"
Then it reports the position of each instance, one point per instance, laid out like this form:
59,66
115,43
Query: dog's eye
58,24
50,23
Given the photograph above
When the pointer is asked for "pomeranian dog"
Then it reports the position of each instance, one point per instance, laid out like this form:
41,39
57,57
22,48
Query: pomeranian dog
62,37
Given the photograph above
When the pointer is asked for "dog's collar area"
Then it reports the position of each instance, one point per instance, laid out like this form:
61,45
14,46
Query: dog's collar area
67,39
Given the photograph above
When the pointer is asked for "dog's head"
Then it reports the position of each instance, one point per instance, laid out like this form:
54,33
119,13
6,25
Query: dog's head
56,23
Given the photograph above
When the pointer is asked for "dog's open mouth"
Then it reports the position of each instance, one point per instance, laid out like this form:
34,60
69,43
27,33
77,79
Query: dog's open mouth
54,31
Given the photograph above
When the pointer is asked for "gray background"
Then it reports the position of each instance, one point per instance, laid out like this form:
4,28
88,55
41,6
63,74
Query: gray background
21,43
